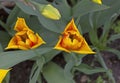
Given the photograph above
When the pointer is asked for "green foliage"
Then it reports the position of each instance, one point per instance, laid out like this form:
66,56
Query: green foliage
116,27
99,80
55,74
89,18
88,69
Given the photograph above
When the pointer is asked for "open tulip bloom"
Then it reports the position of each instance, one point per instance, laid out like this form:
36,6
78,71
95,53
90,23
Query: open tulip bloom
72,41
25,38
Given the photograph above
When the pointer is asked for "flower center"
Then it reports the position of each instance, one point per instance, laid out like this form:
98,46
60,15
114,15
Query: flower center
26,39
71,41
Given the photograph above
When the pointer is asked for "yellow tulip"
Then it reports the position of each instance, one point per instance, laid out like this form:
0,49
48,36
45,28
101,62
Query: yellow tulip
25,40
3,73
47,10
72,41
51,12
97,1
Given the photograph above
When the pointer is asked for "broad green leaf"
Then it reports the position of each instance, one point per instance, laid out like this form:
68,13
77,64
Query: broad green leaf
55,26
4,39
86,6
88,70
12,16
55,74
11,58
65,10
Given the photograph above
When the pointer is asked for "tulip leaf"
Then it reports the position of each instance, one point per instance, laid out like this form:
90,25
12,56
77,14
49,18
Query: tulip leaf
99,18
86,6
65,9
114,51
113,37
88,69
12,58
12,16
26,7
68,68
51,24
55,74
36,69
1,49
4,39
72,60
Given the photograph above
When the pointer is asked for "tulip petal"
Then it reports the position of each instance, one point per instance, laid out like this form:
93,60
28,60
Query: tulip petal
12,43
21,25
32,36
71,27
3,73
39,41
59,47
85,49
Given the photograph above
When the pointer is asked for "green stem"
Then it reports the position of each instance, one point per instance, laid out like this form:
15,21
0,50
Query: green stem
109,73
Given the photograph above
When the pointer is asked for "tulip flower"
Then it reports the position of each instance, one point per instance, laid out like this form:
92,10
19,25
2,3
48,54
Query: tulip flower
51,12
97,1
3,73
48,11
21,25
25,38
72,41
